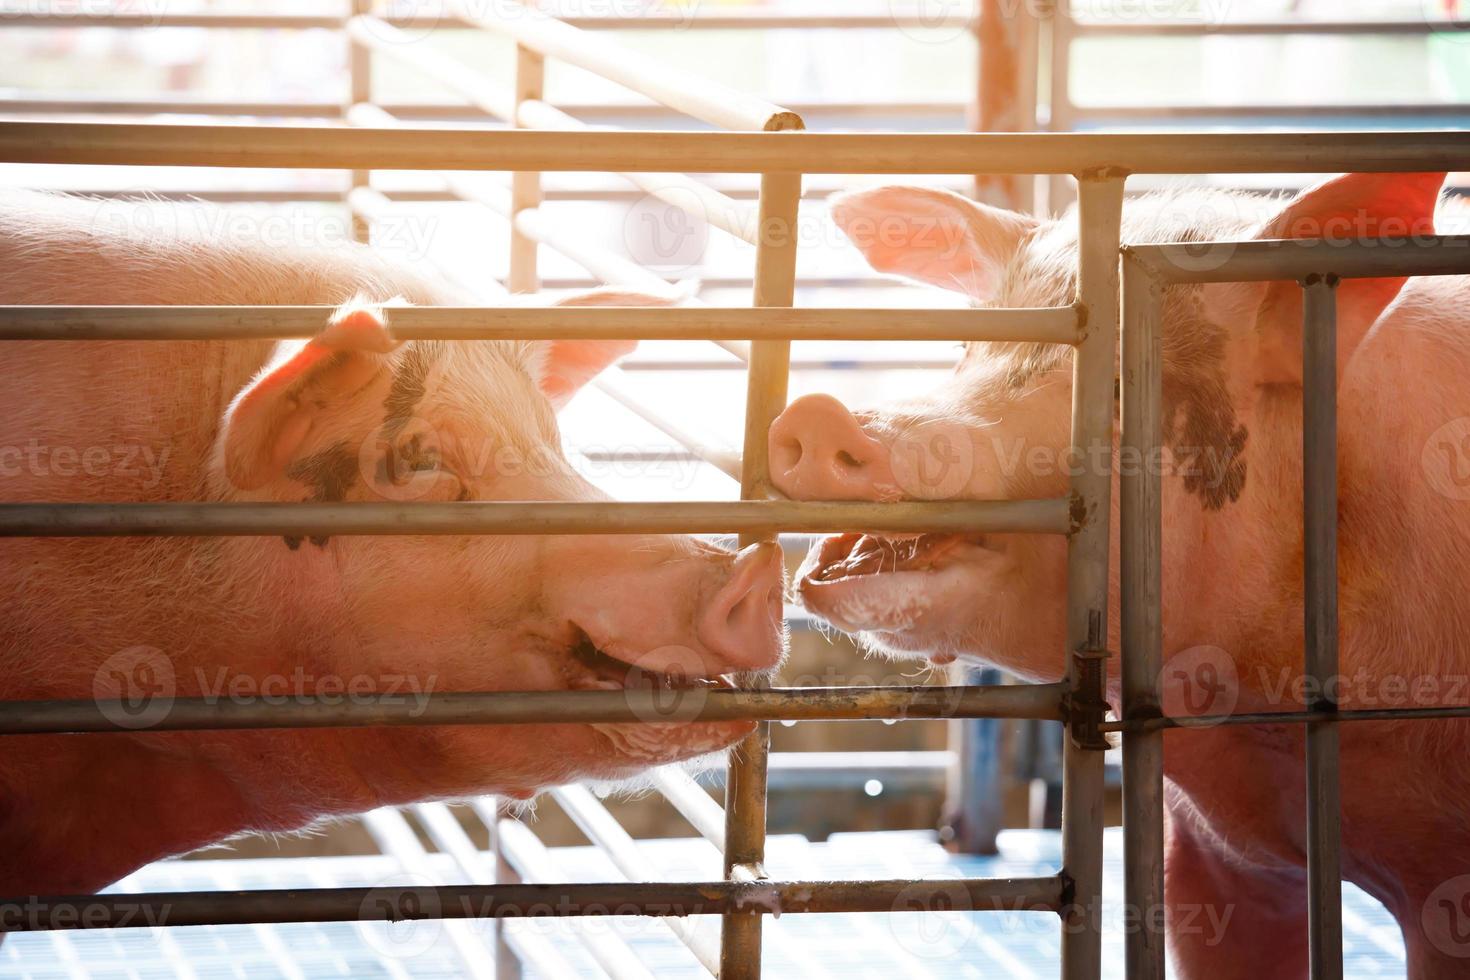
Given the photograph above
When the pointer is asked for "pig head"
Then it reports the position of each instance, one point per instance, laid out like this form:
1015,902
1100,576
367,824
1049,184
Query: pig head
999,426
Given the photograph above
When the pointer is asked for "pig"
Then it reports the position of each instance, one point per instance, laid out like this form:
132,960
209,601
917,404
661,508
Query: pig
350,415
1233,552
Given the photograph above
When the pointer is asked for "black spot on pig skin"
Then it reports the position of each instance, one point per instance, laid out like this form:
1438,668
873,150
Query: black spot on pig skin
409,378
292,543
330,473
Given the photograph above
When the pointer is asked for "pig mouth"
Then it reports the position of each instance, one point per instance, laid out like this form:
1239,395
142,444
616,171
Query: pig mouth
600,670
870,583
853,556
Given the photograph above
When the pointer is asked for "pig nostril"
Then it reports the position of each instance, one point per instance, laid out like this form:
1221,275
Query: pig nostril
848,460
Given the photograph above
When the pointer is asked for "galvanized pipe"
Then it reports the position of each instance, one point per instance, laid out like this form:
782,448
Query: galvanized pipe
1100,210
534,707
649,898
750,517
1319,500
1140,534
535,864
1286,259
412,148
1289,718
603,830
765,396
1057,325
693,803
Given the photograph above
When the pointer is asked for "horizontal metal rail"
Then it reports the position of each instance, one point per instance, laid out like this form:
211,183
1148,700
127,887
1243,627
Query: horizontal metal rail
1287,718
691,94
1055,325
1297,258
678,189
753,517
1087,154
400,903
1247,28
835,17
1041,701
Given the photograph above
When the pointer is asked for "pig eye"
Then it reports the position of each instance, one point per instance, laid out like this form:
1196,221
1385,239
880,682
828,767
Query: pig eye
407,458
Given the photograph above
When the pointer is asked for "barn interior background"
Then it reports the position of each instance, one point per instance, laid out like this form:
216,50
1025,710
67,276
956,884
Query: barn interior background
847,798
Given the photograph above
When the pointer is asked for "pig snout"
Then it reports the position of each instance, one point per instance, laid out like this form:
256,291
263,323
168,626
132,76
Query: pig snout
820,451
741,622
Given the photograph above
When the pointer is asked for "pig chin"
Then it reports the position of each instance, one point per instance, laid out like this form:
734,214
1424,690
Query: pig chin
908,597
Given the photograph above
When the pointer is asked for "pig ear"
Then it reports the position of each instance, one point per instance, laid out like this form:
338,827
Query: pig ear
567,365
1346,208
933,236
268,421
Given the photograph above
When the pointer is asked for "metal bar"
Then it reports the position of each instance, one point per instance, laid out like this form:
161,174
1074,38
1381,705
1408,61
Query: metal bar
1094,372
1206,28
650,898
531,708
737,20
536,865
1042,325
1140,537
359,90
1289,718
1273,110
1285,259
477,866
723,460
765,396
761,518
693,803
333,147
602,829
526,109
395,838
525,185
695,96
1319,500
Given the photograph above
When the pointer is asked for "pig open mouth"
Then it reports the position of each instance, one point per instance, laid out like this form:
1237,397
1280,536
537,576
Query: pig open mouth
603,671
892,584
676,679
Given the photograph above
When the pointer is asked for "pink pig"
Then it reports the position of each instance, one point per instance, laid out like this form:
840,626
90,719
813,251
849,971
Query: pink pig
349,416
998,428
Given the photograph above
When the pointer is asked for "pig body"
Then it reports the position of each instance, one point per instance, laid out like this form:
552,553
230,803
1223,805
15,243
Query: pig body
1232,576
350,416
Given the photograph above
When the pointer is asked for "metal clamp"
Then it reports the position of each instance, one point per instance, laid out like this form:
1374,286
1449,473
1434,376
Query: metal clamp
1085,707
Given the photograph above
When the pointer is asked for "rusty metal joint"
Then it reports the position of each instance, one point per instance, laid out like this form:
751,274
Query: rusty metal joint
1085,707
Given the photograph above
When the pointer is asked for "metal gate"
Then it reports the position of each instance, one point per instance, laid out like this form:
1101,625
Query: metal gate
1089,324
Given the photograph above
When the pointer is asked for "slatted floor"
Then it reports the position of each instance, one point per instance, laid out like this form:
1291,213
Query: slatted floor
1014,946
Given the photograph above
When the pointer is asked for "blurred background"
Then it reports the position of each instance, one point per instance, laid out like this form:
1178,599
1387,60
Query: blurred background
928,65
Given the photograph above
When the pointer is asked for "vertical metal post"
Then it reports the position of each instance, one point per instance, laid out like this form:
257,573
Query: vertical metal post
1059,97
525,186
1141,561
1319,504
975,808
507,963
765,397
359,90
1005,96
1093,376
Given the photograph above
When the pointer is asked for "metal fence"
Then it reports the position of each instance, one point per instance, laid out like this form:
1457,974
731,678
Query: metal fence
1090,325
